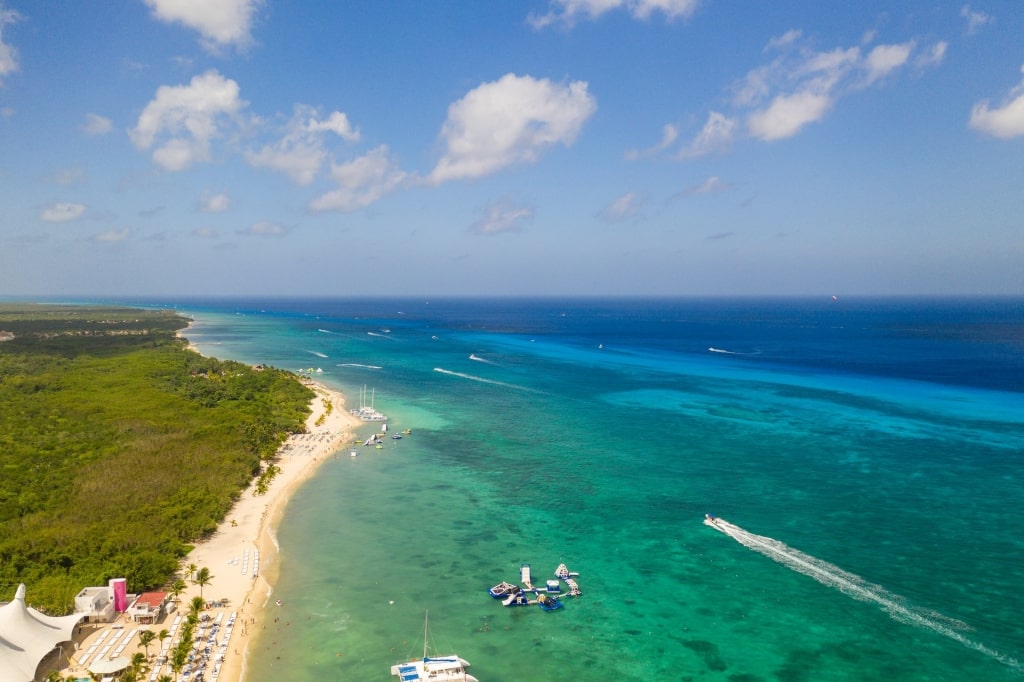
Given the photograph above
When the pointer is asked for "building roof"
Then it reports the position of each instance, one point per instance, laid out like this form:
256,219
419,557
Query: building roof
27,636
151,600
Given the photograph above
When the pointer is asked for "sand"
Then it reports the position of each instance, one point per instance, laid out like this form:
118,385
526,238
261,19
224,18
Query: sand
242,554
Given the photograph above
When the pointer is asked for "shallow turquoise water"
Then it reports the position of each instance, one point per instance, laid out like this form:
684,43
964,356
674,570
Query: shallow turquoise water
600,441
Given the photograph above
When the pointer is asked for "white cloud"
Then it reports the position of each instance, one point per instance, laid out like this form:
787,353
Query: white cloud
785,40
511,120
623,208
669,133
111,236
215,203
975,19
62,212
361,182
569,12
934,55
884,59
1004,121
787,114
95,124
220,22
712,185
183,119
502,216
301,151
715,136
8,55
264,229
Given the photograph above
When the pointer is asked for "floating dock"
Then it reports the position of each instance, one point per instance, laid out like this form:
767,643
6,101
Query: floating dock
547,597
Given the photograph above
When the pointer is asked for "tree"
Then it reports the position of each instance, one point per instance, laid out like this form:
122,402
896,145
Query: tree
195,607
192,571
177,587
164,634
146,638
202,578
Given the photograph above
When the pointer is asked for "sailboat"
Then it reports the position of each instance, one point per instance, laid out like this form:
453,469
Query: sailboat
433,668
367,412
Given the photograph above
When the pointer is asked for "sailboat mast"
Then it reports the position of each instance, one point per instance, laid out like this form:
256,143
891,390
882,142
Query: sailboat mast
425,619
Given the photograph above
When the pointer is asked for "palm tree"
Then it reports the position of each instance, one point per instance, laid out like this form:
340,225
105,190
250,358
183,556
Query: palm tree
138,663
165,678
192,570
164,634
146,638
195,607
202,578
177,587
178,660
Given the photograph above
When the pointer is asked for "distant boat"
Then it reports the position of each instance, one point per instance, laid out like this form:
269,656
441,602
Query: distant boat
434,668
367,412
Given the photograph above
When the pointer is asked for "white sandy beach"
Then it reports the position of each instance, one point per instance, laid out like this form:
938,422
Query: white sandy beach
242,554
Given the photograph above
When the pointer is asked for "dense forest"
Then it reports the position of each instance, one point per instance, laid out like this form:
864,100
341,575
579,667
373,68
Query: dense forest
119,446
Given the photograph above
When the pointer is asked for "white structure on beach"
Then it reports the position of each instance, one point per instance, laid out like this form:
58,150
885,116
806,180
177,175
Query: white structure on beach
28,636
102,604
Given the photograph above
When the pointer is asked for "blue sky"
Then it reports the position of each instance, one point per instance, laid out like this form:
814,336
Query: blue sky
562,147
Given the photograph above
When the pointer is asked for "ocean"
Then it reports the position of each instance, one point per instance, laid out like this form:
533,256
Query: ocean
865,455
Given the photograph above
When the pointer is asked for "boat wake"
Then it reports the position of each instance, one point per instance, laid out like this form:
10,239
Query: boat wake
383,336
712,349
317,353
477,358
482,380
858,588
356,364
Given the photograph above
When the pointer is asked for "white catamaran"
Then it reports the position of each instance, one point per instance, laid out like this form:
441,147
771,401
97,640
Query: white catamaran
433,668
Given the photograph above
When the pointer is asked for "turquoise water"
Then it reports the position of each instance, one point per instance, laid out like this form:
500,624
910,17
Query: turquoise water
869,453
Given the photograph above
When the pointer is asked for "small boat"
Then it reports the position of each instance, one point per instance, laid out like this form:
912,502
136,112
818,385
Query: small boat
397,436
502,590
434,668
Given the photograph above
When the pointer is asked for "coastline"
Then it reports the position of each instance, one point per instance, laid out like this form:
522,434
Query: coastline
242,554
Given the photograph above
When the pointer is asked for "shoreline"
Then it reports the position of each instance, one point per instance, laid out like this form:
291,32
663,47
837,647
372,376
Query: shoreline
242,555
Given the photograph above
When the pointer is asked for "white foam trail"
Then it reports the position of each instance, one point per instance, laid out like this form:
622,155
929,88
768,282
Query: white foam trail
481,379
316,353
856,587
477,358
383,336
356,364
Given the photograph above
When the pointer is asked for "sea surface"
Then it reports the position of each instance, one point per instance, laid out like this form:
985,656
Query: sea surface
865,454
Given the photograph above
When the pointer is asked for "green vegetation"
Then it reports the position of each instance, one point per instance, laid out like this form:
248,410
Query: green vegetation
119,447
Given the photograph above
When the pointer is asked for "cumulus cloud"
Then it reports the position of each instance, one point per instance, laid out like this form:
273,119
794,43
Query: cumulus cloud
569,12
502,216
508,121
301,151
62,212
934,55
8,55
221,23
111,236
1003,121
975,20
623,208
182,120
801,85
787,114
884,59
361,182
215,203
264,229
95,124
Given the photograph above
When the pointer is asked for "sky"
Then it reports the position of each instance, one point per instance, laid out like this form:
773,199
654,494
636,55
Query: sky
527,147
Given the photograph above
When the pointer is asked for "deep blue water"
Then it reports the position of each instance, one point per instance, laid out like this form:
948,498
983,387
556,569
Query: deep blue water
868,451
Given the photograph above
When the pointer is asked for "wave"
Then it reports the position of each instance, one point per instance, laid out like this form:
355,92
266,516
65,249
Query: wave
854,586
482,380
356,364
317,353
